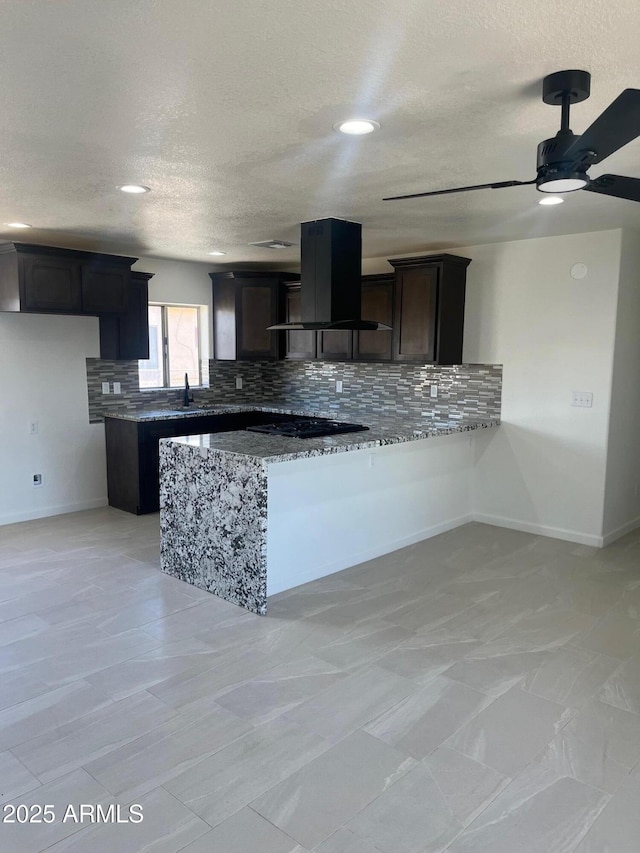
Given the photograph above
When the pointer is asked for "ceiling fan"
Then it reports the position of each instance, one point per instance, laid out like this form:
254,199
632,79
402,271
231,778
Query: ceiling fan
564,159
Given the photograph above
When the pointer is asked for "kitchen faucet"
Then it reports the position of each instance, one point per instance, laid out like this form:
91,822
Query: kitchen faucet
186,399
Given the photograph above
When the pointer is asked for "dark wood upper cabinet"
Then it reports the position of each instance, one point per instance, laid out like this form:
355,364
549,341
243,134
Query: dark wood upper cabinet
47,279
126,335
428,312
415,305
298,344
335,345
244,303
50,283
377,304
105,288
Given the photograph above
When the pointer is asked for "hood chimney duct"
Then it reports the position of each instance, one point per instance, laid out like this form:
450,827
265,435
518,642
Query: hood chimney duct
331,277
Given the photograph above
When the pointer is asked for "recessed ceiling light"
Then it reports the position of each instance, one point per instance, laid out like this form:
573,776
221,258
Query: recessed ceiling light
356,126
216,253
17,224
134,188
551,199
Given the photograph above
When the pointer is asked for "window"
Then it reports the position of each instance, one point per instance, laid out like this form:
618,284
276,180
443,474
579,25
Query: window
174,347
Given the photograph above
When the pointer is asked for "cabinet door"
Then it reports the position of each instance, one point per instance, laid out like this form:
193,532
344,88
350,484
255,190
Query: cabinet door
126,336
105,289
416,290
335,345
377,304
224,318
298,344
256,308
123,465
50,283
134,323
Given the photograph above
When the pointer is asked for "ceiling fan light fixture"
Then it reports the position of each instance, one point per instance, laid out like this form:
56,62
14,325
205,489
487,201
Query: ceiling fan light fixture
550,200
356,126
562,182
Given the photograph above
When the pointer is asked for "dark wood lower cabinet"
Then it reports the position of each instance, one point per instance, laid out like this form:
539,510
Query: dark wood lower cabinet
133,452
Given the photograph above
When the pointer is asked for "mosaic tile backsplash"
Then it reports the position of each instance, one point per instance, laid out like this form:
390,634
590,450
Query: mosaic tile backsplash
379,388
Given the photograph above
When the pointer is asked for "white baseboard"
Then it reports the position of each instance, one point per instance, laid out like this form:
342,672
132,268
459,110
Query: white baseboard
541,529
621,531
315,572
46,511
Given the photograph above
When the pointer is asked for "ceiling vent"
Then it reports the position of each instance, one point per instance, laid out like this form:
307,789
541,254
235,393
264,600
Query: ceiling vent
272,244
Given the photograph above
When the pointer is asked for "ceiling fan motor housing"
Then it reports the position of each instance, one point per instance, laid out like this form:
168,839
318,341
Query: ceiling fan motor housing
551,152
552,164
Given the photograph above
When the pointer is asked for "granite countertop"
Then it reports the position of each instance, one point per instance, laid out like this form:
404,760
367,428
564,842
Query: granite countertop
275,448
282,407
145,414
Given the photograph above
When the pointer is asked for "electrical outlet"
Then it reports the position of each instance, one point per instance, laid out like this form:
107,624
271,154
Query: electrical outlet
238,383
117,388
105,387
433,391
37,480
338,386
33,427
583,399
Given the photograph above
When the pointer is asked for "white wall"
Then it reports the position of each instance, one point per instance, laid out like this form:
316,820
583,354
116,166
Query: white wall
544,469
622,501
43,377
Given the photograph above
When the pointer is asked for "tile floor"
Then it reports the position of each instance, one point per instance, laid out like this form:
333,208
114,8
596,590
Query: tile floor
475,693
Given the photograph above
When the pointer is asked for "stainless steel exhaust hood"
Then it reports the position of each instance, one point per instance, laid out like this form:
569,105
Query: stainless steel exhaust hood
330,278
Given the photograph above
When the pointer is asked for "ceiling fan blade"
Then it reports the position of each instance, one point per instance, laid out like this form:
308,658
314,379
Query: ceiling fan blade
497,186
615,127
617,186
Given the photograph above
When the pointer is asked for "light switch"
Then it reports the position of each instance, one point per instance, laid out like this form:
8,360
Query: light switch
433,391
105,387
338,386
116,388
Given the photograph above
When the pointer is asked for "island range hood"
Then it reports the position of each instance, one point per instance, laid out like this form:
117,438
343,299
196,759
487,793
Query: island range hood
330,278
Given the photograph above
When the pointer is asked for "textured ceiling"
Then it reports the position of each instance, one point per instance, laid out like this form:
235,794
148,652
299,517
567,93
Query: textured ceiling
225,109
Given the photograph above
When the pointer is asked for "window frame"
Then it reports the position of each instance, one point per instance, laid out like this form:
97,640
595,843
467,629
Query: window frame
165,348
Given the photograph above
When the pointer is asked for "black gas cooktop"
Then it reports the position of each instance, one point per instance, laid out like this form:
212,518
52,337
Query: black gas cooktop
307,428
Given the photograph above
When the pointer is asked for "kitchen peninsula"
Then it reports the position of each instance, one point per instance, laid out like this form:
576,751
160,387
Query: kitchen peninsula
245,515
